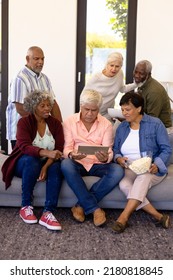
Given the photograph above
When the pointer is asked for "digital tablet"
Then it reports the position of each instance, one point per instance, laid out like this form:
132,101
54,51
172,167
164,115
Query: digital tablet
90,150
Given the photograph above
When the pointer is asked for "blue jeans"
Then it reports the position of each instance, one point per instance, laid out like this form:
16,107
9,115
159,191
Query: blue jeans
28,168
110,174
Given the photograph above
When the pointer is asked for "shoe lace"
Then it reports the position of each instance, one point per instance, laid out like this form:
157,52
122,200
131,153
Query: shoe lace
28,211
51,217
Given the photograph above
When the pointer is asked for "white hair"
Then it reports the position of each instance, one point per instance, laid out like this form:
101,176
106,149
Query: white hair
32,100
113,57
90,96
148,65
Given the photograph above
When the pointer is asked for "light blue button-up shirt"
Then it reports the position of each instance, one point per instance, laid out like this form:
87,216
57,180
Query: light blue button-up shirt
153,137
25,82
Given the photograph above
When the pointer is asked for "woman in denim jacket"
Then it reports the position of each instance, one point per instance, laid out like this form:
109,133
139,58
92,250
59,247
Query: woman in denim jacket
140,133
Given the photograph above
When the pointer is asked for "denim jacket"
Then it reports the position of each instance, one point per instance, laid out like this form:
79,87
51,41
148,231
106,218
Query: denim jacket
153,137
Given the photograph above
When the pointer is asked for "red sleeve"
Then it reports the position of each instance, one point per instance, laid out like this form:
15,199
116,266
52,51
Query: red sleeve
26,132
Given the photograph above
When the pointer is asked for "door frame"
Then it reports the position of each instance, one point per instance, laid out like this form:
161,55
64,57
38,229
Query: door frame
81,45
4,73
80,49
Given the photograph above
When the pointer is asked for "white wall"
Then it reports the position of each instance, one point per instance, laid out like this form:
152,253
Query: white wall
154,35
52,26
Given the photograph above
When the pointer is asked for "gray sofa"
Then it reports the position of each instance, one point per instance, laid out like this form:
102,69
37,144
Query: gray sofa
161,195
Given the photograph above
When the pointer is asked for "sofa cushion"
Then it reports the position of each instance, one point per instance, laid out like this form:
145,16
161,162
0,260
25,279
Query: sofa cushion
161,195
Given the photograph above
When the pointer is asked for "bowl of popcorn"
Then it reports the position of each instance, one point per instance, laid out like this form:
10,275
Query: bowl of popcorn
141,165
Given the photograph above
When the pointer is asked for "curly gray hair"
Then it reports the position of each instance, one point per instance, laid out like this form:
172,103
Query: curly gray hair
34,98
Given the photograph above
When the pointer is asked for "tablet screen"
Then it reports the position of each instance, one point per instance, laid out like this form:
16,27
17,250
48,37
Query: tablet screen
90,150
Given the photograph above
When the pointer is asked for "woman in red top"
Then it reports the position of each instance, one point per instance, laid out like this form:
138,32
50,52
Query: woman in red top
37,157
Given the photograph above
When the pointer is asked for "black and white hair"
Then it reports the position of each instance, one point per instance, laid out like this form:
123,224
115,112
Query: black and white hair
134,98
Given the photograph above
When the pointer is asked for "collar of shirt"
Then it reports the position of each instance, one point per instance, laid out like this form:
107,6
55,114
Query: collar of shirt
33,73
145,84
78,119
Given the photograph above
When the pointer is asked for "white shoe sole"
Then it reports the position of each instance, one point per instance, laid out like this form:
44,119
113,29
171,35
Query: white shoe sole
29,221
50,227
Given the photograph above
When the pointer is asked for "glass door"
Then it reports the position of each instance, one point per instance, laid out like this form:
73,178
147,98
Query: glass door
106,32
104,26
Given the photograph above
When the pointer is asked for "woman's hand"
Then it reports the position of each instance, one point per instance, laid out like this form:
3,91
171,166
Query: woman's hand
153,169
122,161
55,154
43,174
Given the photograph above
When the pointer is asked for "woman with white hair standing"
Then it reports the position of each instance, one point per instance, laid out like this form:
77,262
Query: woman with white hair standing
109,82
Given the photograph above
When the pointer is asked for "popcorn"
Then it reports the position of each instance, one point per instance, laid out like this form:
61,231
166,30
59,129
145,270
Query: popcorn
141,165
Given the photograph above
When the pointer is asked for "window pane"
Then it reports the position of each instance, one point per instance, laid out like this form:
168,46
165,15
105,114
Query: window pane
106,32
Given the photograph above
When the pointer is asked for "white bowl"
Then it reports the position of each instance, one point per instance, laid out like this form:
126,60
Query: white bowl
115,113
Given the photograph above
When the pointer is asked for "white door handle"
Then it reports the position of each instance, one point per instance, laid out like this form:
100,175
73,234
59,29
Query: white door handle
79,77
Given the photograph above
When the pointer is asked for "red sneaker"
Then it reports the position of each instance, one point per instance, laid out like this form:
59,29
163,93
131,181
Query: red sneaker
27,215
48,220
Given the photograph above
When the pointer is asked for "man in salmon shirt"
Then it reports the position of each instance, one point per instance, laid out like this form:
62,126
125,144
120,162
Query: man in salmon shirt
89,128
